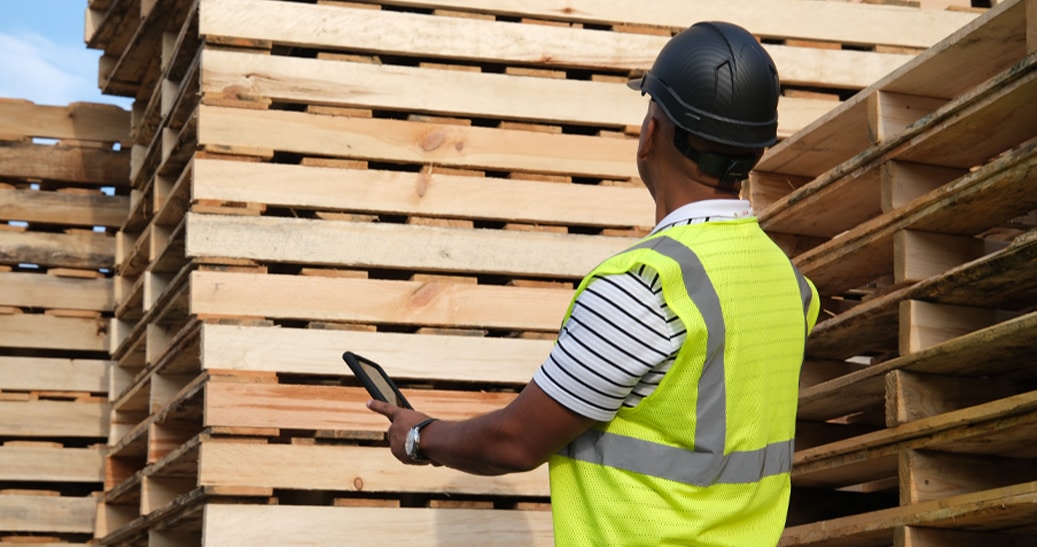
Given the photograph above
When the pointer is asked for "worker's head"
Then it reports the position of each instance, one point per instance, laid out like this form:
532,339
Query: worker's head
719,89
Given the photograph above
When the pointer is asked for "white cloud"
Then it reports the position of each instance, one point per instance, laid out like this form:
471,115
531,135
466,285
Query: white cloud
35,68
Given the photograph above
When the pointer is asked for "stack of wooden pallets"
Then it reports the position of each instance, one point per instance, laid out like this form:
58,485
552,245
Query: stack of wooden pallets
911,206
63,186
418,182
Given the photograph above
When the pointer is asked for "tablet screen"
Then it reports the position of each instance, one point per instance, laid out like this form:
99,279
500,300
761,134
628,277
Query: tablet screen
374,378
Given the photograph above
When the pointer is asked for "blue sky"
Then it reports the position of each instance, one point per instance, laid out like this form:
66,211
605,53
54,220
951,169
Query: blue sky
43,56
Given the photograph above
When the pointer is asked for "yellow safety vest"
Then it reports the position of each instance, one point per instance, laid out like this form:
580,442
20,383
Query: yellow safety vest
705,458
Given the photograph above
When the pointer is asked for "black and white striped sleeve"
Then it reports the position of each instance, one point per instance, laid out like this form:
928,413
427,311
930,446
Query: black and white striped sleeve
614,348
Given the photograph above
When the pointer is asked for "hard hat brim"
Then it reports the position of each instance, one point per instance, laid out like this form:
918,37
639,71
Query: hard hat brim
636,83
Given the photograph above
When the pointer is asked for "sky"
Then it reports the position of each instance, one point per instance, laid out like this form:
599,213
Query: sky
43,55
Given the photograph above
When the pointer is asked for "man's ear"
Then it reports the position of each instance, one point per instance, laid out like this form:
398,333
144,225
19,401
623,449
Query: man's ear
649,135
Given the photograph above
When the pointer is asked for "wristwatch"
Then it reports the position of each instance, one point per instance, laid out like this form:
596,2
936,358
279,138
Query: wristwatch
413,443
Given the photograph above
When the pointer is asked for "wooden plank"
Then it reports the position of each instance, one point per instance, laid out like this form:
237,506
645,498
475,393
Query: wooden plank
989,510
30,290
398,246
422,143
351,469
920,536
282,524
329,408
342,27
932,475
1003,350
445,92
92,166
983,199
81,249
924,324
999,106
912,396
80,121
64,208
1001,280
921,255
831,21
38,331
378,301
1000,427
53,374
989,44
36,419
409,356
27,462
49,514
426,194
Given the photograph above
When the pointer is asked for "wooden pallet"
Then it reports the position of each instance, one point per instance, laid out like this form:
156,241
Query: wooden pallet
56,255
305,183
915,419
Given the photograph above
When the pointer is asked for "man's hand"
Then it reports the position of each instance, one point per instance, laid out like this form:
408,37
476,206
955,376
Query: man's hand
402,420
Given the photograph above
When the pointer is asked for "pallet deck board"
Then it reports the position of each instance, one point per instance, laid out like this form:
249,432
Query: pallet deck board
831,21
448,38
278,525
427,194
421,143
400,246
408,356
378,301
51,464
348,468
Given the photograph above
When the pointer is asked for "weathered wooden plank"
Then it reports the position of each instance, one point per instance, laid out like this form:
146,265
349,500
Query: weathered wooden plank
426,194
400,246
25,330
989,510
64,208
1004,427
982,199
49,514
407,356
30,290
84,250
378,301
933,475
1003,350
231,404
53,374
26,462
348,468
988,45
421,143
849,23
92,166
320,26
1001,279
43,418
80,121
1001,106
282,525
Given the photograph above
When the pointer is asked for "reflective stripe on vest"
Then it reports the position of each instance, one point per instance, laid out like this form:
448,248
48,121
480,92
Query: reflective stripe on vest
706,464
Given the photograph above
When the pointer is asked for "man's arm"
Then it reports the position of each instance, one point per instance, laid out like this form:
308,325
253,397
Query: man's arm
518,437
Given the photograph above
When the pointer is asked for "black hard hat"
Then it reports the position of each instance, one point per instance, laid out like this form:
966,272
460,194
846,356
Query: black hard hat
716,81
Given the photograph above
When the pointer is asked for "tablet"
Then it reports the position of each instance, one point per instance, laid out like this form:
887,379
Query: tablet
374,378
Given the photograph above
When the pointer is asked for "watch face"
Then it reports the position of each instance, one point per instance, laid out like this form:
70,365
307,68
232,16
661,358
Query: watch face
408,446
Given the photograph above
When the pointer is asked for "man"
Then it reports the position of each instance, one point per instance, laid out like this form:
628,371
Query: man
667,406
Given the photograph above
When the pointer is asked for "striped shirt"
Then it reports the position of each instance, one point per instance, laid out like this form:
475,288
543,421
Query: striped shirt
621,337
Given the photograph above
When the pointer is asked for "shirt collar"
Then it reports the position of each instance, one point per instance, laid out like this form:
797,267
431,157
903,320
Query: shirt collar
708,209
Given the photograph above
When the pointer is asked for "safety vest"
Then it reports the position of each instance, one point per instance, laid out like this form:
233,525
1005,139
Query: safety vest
705,459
